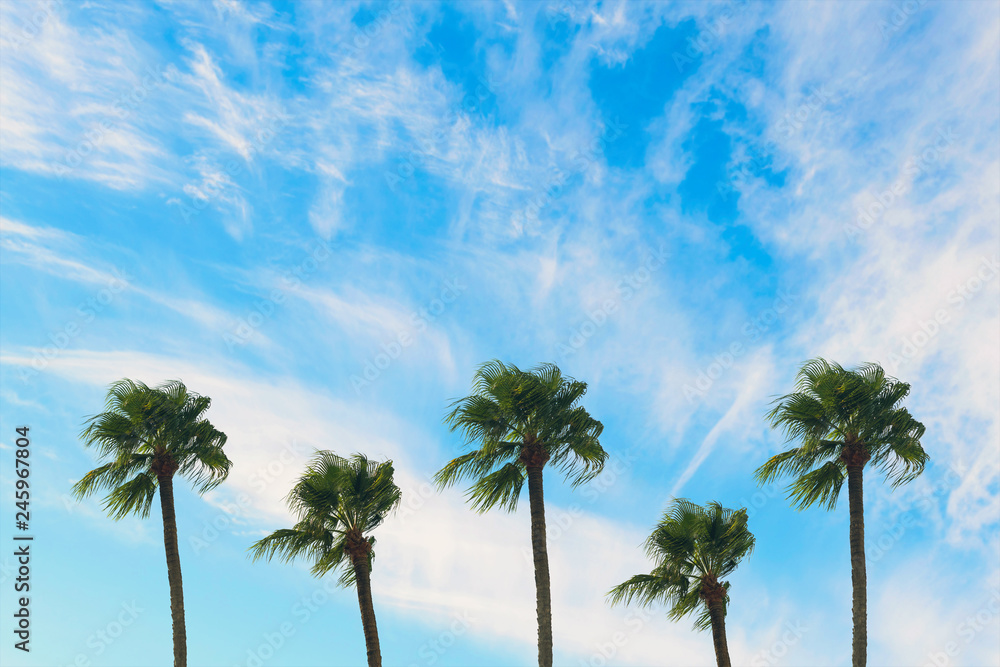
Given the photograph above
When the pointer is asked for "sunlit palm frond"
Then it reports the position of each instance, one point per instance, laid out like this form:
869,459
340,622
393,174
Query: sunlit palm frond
690,545
336,500
134,496
510,410
140,426
498,489
833,410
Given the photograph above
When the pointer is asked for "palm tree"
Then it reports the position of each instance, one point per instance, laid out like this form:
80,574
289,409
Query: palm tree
338,502
149,435
694,547
845,420
523,421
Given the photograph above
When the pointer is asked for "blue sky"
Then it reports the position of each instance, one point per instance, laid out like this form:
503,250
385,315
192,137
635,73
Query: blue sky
325,215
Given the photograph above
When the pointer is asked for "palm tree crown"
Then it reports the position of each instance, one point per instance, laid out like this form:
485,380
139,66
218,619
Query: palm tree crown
843,418
844,421
149,433
693,547
338,502
521,419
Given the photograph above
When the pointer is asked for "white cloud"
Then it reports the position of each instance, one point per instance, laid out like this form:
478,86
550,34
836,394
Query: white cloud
76,112
71,257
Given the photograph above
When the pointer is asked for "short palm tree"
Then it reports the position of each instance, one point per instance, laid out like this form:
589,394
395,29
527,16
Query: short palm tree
845,420
148,435
523,421
338,502
694,547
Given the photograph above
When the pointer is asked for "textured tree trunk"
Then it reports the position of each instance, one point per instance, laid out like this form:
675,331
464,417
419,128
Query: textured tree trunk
543,598
166,484
718,613
859,577
363,577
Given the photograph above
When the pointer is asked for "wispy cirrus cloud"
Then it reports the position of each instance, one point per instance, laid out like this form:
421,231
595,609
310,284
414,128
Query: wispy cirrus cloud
478,142
75,111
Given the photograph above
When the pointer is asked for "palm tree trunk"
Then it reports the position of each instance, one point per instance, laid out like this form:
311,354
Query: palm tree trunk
166,483
363,577
717,611
543,597
859,577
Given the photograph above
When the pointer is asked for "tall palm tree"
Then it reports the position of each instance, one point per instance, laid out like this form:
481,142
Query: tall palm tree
694,548
148,435
523,421
338,502
845,420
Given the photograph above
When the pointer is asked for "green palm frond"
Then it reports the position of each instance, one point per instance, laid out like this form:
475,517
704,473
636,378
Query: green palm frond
287,544
470,465
647,589
133,496
834,410
336,500
140,426
111,475
690,545
820,485
902,459
509,411
335,559
498,489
